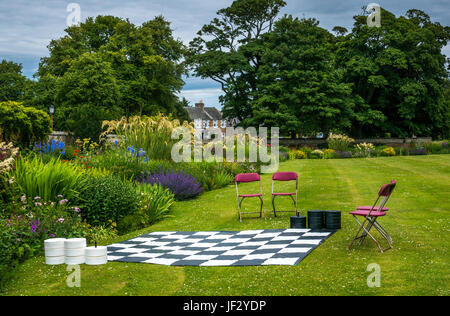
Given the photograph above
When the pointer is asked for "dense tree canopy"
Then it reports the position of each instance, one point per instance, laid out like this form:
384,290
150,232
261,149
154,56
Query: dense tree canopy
297,81
293,74
108,67
228,50
12,82
398,69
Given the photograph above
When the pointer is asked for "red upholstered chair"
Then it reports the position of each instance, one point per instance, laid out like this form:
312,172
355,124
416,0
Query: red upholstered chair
246,178
371,214
285,176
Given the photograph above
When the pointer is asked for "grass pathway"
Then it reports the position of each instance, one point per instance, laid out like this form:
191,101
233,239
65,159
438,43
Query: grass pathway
418,222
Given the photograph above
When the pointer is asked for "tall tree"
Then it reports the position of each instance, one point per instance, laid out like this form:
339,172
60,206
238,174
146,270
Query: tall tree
398,69
300,90
12,82
87,94
228,50
145,61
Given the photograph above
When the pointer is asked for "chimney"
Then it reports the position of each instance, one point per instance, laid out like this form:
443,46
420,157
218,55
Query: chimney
200,105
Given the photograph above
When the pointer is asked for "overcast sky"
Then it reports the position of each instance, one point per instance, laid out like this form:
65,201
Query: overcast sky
26,27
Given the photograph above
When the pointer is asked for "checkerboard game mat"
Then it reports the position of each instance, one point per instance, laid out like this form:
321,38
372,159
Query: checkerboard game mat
220,248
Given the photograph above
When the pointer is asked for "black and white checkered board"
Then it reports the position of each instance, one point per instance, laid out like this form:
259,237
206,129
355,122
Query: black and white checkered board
220,248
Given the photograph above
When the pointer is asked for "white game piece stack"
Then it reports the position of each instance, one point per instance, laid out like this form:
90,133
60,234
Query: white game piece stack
74,250
96,255
54,251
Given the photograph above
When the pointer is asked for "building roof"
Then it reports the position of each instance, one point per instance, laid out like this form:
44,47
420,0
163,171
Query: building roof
199,111
214,113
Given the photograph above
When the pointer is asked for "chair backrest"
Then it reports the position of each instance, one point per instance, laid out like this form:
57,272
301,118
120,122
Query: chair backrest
386,190
384,193
247,177
285,176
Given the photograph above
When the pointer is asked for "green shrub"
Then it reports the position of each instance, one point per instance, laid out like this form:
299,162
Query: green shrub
22,125
48,180
440,147
108,198
155,202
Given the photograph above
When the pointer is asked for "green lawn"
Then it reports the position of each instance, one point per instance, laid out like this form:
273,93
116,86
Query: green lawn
418,221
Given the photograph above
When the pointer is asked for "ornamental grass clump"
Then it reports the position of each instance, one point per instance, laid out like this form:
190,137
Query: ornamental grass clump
184,186
339,142
365,149
151,134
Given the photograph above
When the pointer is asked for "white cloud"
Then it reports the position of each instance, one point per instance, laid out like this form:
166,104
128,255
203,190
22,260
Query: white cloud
209,96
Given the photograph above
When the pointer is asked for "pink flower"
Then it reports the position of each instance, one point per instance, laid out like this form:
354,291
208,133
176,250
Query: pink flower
61,220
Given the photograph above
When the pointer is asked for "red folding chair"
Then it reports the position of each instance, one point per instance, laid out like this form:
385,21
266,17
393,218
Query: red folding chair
371,214
247,178
285,176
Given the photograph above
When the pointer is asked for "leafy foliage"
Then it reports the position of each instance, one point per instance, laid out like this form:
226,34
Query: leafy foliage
12,82
49,179
399,72
228,51
154,205
300,90
87,94
108,199
22,125
107,67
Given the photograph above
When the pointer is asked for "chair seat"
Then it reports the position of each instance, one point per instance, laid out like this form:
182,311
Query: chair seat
365,213
367,208
250,195
283,193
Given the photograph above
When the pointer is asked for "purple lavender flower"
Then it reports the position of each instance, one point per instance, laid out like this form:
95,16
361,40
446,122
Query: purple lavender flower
182,185
52,235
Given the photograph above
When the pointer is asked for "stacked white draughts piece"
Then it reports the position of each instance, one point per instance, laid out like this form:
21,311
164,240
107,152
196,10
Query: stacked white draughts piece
73,251
54,251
